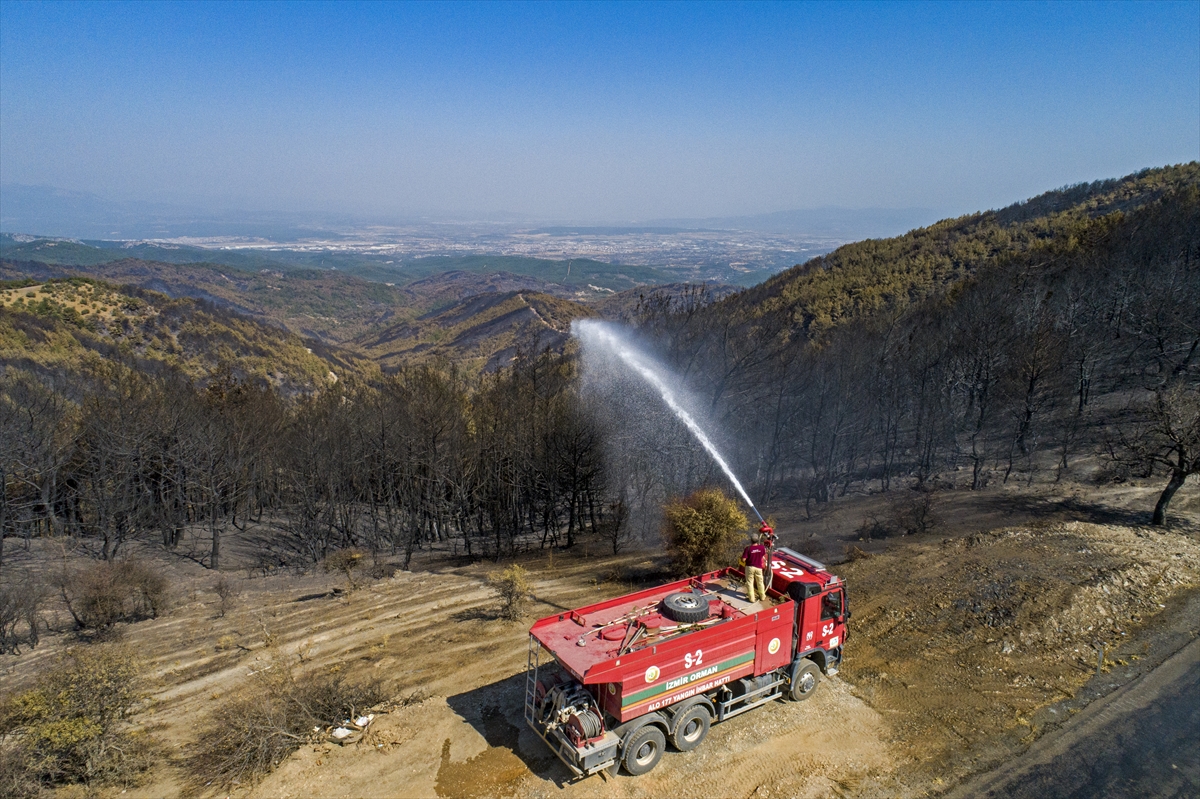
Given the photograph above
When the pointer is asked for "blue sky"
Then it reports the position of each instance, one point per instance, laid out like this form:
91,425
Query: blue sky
599,112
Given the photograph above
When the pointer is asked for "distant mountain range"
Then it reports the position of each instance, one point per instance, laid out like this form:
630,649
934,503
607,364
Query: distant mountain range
847,224
481,310
50,211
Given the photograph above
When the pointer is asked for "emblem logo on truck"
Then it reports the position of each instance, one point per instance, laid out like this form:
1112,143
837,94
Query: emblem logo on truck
652,674
773,647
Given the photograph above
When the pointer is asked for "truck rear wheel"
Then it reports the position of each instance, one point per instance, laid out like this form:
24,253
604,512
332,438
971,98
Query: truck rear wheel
644,749
804,681
685,607
691,728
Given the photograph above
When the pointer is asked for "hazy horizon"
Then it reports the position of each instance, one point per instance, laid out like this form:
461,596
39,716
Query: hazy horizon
56,212
596,113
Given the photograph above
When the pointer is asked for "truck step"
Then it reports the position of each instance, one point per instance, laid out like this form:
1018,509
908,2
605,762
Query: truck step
759,696
750,706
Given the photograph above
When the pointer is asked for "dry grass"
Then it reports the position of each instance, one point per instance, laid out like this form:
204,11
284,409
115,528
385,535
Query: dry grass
101,594
963,641
250,734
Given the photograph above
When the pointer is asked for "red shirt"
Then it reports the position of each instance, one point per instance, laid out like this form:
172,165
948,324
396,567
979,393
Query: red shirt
755,556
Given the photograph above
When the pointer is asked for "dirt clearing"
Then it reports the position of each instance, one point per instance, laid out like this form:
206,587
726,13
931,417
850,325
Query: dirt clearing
962,650
475,744
959,648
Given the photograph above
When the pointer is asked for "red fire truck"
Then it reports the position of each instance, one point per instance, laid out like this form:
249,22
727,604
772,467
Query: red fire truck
608,685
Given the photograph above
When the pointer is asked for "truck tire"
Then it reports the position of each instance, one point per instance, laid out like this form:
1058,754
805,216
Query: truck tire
685,607
691,728
804,681
644,749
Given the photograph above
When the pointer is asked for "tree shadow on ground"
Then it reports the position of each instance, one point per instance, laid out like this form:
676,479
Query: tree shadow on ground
543,601
476,614
496,711
318,595
1083,510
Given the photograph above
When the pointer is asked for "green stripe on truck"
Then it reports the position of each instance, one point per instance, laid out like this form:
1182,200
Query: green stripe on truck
687,679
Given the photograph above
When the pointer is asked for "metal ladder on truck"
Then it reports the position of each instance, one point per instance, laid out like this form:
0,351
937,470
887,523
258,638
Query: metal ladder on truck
532,662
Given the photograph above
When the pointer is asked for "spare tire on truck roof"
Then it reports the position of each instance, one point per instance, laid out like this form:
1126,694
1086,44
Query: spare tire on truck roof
686,607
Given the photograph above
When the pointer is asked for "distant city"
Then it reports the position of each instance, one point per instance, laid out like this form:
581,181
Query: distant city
723,255
739,250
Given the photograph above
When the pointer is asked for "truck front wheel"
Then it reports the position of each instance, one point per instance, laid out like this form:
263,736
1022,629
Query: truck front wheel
644,749
804,681
691,728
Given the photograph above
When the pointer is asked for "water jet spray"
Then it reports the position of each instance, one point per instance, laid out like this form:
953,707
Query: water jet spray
603,335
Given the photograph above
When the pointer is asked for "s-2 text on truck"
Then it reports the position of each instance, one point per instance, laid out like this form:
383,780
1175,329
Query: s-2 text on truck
609,684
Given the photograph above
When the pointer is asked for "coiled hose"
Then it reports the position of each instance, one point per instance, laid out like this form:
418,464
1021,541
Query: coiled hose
589,723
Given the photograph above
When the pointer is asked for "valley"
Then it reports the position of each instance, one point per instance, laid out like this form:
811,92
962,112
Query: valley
609,257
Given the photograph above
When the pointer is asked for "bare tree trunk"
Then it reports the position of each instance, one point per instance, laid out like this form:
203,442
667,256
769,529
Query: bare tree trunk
1160,510
215,563
3,511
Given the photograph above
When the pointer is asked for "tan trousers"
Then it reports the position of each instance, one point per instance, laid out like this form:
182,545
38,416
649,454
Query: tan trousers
754,581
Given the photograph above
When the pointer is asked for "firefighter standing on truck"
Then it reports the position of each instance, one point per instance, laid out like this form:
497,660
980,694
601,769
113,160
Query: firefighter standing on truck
754,558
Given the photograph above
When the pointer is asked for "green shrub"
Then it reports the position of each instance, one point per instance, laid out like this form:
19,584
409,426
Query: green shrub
513,587
73,725
703,530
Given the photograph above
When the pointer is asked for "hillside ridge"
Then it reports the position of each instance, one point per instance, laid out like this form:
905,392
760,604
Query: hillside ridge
878,275
486,329
73,325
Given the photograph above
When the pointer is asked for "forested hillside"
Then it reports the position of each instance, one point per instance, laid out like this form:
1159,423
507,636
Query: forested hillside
329,304
479,318
484,331
997,346
322,304
1004,346
881,275
64,329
